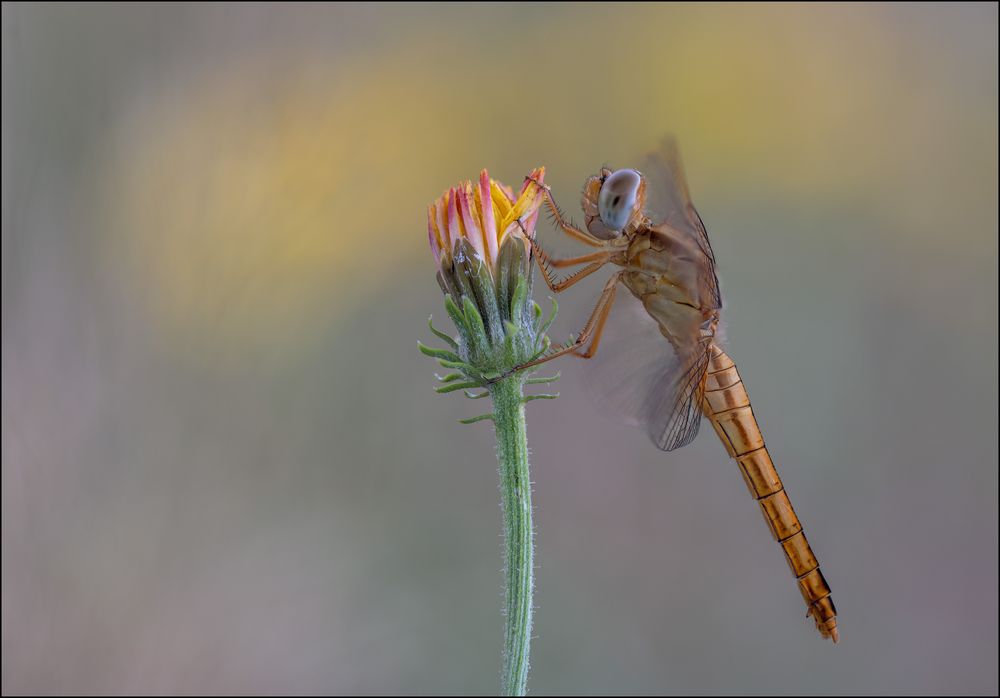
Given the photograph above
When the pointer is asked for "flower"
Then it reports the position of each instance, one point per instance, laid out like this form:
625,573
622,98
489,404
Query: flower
484,214
480,236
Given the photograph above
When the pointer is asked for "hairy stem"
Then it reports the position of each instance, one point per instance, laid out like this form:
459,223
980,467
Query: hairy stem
515,490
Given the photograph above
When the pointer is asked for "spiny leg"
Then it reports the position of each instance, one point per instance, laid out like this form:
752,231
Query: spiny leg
591,351
545,264
593,328
558,218
560,262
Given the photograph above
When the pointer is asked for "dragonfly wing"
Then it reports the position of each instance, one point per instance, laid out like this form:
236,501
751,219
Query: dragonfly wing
653,376
668,202
675,405
638,376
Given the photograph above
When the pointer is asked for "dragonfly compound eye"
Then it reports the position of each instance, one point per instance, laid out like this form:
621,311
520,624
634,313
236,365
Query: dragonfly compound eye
617,198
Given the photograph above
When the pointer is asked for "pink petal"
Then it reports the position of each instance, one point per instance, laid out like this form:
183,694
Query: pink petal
489,222
472,231
454,230
529,225
538,174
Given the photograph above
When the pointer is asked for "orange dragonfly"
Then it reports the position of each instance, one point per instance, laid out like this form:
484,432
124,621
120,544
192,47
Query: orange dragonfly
668,266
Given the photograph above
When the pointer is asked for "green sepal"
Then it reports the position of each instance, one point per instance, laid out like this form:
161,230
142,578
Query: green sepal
441,335
517,300
455,313
536,315
446,278
552,316
536,381
511,336
505,281
546,343
477,330
473,420
452,387
476,281
497,322
445,363
442,283
460,273
449,377
437,353
542,396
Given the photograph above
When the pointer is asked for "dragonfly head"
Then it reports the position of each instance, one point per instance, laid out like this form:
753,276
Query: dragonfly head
619,202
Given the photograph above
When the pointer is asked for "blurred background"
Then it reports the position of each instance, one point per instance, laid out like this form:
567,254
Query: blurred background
225,469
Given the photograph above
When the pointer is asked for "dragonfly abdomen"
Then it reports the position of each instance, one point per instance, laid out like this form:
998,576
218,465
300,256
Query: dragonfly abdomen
727,406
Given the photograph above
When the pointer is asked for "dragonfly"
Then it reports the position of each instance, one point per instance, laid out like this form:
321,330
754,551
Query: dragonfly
677,372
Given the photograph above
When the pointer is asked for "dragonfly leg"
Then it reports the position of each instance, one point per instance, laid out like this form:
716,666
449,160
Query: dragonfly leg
559,219
591,351
545,264
592,330
560,262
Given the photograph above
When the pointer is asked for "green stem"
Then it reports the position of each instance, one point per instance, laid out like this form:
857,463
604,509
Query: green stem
515,488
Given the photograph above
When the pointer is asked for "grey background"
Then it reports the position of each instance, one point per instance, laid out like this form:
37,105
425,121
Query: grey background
224,468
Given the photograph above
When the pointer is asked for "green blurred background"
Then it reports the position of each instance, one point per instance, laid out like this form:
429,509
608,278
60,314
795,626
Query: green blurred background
225,470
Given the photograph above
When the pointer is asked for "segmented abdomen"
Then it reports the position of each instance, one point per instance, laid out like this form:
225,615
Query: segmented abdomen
727,406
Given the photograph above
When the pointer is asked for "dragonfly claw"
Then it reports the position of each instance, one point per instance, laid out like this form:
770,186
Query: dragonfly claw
538,184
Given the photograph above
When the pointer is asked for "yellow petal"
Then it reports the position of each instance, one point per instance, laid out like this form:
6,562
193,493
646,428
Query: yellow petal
501,204
528,202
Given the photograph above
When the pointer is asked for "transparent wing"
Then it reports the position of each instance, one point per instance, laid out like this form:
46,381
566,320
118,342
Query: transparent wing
638,376
674,406
668,203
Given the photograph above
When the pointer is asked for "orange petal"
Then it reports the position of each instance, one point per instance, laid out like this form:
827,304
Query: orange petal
441,222
432,234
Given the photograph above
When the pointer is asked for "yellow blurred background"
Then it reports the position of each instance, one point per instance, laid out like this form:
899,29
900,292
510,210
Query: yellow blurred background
225,470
